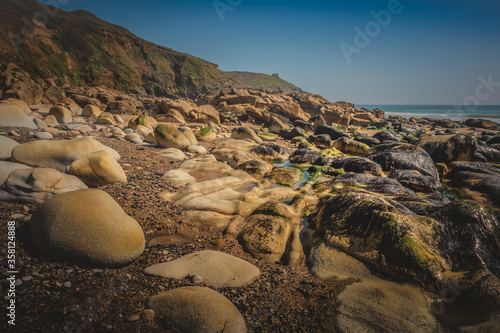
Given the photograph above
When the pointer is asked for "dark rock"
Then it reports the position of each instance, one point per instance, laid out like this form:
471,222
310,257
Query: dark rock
270,150
446,149
361,165
371,183
367,140
322,140
480,123
493,140
477,167
293,133
491,154
406,157
331,131
304,156
487,184
387,136
417,182
305,125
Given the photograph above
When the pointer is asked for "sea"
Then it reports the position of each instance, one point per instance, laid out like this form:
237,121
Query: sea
452,112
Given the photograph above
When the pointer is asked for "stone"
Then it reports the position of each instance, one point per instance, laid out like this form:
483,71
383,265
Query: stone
197,310
97,169
12,115
91,111
243,133
54,95
50,121
6,146
170,137
13,101
63,228
106,118
449,148
381,306
188,133
290,110
481,123
204,114
7,167
179,178
361,165
141,120
173,153
28,185
40,124
57,154
198,150
286,176
352,147
206,135
43,135
331,131
62,114
239,155
173,116
217,269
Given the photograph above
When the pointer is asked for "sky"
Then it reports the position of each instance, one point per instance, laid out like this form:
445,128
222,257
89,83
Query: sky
365,52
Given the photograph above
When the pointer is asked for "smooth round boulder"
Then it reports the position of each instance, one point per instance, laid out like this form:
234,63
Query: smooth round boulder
97,169
62,114
7,167
91,110
105,118
57,154
198,310
170,137
86,227
13,115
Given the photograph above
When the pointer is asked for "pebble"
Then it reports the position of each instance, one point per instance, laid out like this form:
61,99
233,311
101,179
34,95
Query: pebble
14,133
19,282
148,315
134,317
16,216
27,278
67,284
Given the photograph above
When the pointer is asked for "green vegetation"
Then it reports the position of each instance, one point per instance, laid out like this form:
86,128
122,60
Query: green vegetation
263,81
206,131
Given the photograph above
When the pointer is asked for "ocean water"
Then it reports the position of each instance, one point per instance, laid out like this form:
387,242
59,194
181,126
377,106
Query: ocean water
452,112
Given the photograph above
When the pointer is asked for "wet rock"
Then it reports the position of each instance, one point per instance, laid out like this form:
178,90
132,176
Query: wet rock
293,133
403,156
352,147
487,184
322,140
306,155
370,183
481,123
197,310
361,165
64,228
217,269
387,136
270,151
446,149
490,154
331,131
286,176
417,182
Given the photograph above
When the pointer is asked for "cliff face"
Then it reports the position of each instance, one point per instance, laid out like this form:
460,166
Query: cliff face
56,47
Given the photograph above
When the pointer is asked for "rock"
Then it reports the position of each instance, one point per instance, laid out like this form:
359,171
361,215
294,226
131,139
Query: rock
83,101
449,148
239,155
206,135
12,115
43,135
306,155
12,101
361,165
404,156
40,124
276,125
181,106
480,123
489,153
352,147
16,83
286,176
173,153
290,110
62,114
331,131
197,310
91,111
188,133
28,185
97,169
179,178
217,269
121,107
417,182
170,137
64,228
54,95
487,184
6,146
50,121
268,137
381,306
57,154
198,150
173,116
243,133
204,114
7,167
317,121
292,133
142,120
370,183
387,136
106,118
305,125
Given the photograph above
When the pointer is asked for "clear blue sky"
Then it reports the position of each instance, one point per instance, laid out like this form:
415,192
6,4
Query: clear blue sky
432,51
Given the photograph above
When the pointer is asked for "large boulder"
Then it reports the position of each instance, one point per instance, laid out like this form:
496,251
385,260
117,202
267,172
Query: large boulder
290,110
64,228
62,114
106,118
98,168
57,154
449,148
6,146
91,111
242,133
12,115
205,114
331,131
197,310
54,95
217,269
37,185
170,137
16,83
